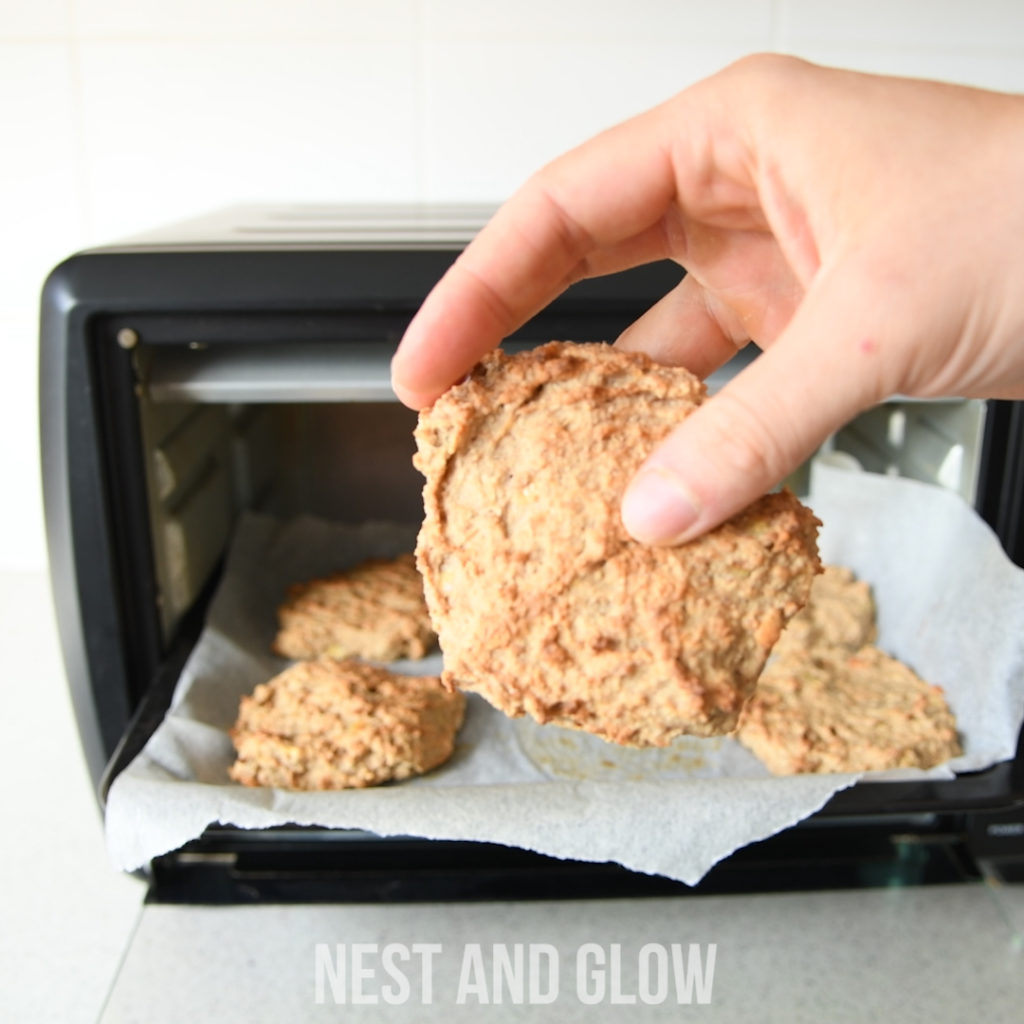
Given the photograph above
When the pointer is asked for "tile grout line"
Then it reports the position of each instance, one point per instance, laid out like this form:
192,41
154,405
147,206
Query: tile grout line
777,25
119,966
421,105
81,146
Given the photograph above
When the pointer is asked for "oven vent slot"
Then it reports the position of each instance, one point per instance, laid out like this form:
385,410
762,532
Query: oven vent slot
203,463
936,442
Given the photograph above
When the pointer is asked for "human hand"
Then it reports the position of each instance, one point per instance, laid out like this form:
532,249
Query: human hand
866,232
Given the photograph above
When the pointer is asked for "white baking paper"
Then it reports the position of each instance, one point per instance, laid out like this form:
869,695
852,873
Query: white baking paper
950,603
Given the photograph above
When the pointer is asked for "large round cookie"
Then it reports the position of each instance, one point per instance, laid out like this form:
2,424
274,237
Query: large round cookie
542,602
338,724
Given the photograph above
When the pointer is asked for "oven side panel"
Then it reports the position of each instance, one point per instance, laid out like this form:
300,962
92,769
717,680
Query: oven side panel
1001,484
78,540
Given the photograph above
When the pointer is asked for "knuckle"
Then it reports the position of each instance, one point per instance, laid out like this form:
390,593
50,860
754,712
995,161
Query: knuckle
569,236
764,68
498,308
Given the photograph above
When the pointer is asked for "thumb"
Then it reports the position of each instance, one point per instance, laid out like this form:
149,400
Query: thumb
760,427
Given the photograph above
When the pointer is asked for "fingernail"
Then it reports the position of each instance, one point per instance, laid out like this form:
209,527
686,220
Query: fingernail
413,399
658,508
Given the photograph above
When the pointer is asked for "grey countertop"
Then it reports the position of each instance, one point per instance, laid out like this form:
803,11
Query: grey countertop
78,944
946,953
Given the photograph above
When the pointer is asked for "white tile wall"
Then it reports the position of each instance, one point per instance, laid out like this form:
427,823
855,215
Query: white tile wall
116,115
175,128
32,20
988,26
40,172
588,21
41,218
190,20
496,112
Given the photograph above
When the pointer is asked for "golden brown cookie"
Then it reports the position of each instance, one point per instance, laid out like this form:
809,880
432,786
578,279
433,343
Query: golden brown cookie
840,614
375,610
835,711
542,602
330,724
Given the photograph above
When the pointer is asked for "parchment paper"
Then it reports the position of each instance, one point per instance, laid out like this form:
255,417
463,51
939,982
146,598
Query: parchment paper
950,604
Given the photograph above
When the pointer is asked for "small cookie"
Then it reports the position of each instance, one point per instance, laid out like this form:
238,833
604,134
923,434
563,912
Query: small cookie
543,603
375,610
840,614
832,711
330,724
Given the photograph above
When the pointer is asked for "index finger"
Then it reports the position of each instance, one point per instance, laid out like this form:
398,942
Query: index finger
590,212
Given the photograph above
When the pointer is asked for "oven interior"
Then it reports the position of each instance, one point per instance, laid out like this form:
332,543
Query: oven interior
217,440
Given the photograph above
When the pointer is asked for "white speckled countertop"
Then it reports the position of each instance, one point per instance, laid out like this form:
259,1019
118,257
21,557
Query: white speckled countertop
947,953
78,945
65,914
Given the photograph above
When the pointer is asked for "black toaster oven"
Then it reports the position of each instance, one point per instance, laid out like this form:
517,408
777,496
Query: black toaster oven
240,362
